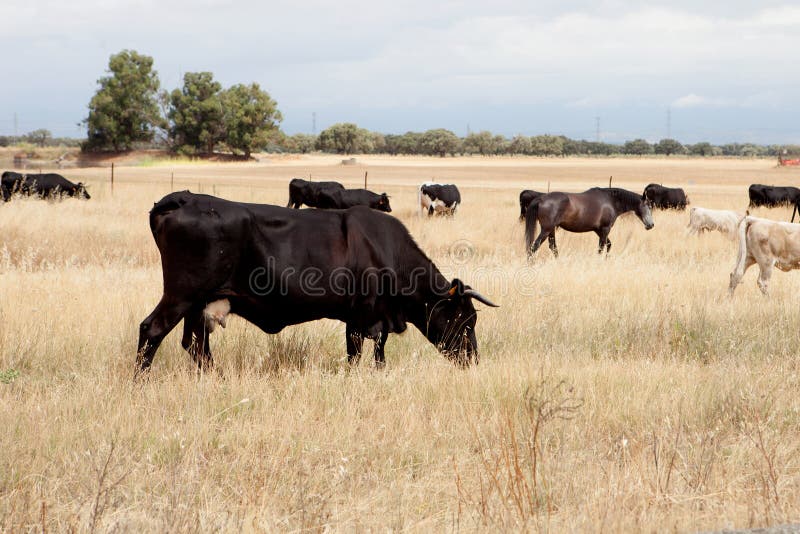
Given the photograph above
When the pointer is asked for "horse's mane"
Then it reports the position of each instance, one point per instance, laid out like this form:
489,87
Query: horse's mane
622,198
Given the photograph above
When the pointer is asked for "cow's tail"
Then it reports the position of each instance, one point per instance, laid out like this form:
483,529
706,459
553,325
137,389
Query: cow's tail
740,258
419,201
531,216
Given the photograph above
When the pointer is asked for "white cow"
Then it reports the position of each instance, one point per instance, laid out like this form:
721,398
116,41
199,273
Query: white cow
769,244
724,221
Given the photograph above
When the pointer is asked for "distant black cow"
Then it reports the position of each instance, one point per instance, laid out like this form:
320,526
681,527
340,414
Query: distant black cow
525,198
45,185
277,267
439,199
341,199
665,198
772,197
305,192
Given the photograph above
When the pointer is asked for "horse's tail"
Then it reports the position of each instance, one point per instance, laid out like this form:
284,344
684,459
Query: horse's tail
531,216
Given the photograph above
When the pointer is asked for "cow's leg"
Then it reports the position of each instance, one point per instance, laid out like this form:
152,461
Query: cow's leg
765,273
736,275
155,328
196,339
551,241
355,340
380,343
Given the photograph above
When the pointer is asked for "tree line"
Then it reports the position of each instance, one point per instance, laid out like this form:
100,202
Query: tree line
130,110
348,138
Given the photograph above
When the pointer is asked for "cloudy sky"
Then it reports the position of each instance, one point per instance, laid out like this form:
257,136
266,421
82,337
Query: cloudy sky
725,70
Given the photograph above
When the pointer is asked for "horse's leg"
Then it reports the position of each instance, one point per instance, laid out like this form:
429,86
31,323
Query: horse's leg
602,233
551,240
546,232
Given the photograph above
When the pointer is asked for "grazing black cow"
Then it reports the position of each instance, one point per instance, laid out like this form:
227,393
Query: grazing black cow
277,267
773,197
525,198
665,198
305,192
341,199
439,199
45,185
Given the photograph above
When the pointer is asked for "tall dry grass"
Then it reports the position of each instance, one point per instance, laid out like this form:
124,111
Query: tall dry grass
618,394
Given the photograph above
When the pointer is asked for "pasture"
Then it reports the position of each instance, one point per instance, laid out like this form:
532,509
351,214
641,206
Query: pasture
613,394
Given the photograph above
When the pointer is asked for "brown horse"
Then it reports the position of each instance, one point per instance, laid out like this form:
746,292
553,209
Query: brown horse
594,210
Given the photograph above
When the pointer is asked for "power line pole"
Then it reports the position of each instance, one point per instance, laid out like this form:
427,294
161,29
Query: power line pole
16,124
468,130
314,122
597,128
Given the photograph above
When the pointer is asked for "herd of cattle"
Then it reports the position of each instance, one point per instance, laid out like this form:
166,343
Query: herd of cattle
277,267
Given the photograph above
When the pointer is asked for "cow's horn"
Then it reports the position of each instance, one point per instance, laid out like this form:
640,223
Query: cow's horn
480,298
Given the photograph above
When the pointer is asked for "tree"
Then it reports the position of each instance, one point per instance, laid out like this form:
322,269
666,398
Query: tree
547,145
701,149
124,110
410,143
440,142
668,147
250,116
378,141
40,137
479,143
638,147
195,114
520,144
345,138
300,143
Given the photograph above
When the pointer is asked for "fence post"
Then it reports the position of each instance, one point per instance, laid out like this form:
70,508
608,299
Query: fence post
365,179
171,182
609,181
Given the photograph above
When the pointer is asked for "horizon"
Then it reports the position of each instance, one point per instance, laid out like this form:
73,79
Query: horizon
662,70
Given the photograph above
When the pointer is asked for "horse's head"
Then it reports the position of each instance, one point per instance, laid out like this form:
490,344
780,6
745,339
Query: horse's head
645,214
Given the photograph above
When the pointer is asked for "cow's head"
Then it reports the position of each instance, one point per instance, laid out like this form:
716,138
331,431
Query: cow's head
81,192
383,203
451,323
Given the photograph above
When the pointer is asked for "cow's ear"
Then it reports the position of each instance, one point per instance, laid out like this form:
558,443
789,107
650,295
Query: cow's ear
456,288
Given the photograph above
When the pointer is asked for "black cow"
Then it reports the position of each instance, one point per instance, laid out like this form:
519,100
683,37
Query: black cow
305,192
525,198
44,185
666,198
341,199
772,196
277,267
439,199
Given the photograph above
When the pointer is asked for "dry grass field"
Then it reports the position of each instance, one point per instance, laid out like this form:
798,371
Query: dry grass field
619,394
